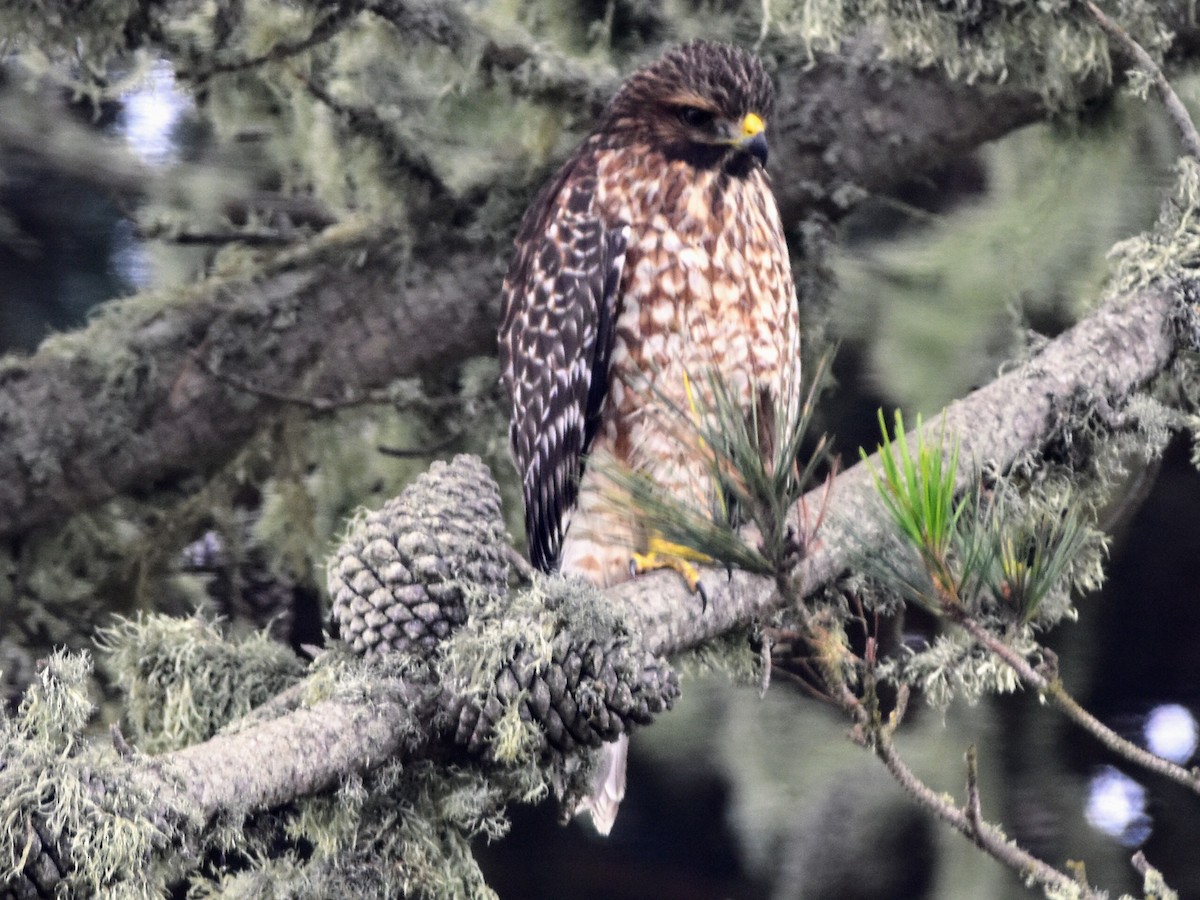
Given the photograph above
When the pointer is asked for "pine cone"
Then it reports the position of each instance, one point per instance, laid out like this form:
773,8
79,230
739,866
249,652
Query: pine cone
399,577
587,694
46,868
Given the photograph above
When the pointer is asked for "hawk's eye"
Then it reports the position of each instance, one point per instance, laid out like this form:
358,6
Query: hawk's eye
694,117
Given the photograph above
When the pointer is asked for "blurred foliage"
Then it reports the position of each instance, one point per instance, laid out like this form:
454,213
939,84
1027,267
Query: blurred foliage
941,300
1051,47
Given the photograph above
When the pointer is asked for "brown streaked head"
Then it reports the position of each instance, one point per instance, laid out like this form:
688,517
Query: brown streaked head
702,102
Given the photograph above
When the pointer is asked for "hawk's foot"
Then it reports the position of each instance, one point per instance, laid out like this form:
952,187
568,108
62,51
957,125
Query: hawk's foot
664,554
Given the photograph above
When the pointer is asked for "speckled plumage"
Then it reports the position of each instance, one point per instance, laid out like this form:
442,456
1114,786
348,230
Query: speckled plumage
654,252
654,258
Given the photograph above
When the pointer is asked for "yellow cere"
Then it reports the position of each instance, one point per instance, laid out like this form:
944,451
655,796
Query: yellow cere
752,125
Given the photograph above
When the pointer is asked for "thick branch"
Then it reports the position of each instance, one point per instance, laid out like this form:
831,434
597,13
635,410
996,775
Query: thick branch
310,749
1108,355
1101,360
132,401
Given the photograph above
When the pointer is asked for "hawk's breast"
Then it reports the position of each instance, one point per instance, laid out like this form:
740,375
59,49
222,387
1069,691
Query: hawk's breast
707,289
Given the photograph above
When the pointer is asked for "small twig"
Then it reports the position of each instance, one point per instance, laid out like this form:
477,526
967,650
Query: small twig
1155,885
806,682
419,452
327,28
444,23
809,528
1053,689
871,732
896,716
764,658
316,404
988,837
524,569
366,122
119,743
261,237
974,807
324,405
1174,106
1141,863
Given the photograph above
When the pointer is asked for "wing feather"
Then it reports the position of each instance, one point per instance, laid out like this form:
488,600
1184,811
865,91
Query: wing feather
556,341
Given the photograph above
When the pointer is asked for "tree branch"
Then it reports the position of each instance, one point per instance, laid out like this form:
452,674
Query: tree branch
1056,691
1178,113
1109,354
310,748
968,821
1104,357
127,402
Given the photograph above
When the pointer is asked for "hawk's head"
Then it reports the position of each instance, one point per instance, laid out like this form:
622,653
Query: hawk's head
701,102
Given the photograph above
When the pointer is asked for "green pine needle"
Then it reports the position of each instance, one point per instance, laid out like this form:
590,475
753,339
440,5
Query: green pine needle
754,466
919,494
976,550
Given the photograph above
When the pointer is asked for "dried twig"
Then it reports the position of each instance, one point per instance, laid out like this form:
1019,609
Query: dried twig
1174,106
323,405
335,20
974,807
967,822
872,731
1053,689
255,238
316,404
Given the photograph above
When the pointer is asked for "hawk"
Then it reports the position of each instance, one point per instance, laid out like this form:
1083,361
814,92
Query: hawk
654,258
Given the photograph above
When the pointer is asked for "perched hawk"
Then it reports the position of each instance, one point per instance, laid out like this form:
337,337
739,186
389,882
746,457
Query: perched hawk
654,258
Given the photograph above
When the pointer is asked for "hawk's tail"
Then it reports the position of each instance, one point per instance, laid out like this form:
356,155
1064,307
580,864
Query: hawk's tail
608,786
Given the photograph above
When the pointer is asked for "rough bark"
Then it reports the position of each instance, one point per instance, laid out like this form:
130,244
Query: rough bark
141,396
310,750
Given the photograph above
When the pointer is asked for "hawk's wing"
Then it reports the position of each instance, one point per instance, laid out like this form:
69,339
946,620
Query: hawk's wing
556,340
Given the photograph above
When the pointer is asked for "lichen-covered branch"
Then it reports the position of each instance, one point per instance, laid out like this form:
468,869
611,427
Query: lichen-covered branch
132,399
1178,113
1109,355
519,687
1100,362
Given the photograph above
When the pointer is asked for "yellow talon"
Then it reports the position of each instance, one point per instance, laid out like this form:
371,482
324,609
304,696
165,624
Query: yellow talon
663,554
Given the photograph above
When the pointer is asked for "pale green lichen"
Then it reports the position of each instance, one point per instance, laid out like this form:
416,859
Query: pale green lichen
183,679
1169,253
1051,47
731,655
76,792
400,830
953,666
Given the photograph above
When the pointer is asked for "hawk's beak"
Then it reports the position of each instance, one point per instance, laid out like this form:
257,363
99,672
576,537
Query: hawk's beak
752,139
